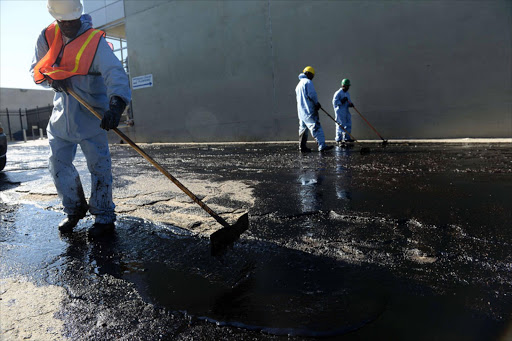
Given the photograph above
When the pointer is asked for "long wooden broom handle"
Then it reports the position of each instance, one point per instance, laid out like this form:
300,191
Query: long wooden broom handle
375,130
345,130
154,163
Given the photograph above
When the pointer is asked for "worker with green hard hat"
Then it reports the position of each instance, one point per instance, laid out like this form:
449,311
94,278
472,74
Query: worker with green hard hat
341,102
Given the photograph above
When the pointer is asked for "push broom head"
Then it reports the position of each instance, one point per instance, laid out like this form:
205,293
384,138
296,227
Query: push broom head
226,236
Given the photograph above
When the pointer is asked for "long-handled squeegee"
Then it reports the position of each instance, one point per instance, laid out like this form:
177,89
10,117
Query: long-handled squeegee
220,239
364,150
384,141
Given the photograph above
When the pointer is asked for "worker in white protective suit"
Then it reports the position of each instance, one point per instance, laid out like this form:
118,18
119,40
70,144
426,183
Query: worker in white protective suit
70,54
341,102
307,109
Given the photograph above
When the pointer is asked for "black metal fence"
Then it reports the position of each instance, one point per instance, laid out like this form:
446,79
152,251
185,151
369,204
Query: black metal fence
33,121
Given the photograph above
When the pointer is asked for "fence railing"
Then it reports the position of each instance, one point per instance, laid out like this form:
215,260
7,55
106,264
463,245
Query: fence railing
20,123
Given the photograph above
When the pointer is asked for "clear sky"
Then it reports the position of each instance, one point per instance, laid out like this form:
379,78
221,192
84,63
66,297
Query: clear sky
21,22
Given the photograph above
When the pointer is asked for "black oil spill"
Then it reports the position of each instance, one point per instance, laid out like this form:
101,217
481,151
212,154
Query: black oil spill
257,287
406,242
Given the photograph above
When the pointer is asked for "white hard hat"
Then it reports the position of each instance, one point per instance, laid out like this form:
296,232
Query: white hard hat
65,9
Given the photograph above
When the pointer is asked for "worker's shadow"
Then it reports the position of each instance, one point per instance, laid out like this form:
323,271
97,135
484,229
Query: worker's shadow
6,182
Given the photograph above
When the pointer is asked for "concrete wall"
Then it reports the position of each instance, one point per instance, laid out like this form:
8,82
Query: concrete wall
15,99
227,70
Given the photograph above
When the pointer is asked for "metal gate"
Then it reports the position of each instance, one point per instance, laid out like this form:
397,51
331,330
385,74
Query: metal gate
38,119
15,121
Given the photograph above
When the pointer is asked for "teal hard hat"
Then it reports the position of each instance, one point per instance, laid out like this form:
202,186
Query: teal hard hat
346,82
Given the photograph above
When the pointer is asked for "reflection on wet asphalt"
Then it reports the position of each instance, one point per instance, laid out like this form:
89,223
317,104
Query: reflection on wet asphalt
407,242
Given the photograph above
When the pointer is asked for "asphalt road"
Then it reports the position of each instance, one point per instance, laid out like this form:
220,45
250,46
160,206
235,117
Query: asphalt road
410,241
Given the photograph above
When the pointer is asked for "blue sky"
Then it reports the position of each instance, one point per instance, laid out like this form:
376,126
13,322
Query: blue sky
21,22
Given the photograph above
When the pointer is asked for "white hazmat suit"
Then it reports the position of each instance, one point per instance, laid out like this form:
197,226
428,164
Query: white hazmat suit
307,100
342,115
72,124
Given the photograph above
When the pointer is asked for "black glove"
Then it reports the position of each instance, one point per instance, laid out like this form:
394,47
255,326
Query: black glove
59,85
343,100
351,104
112,117
317,106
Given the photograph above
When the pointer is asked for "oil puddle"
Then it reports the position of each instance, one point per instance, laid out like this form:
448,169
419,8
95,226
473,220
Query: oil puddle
277,300
257,286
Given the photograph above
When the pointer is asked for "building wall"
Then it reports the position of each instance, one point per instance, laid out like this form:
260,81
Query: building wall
15,99
227,70
104,12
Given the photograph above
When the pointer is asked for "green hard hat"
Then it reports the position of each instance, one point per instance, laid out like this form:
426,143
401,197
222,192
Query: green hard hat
346,81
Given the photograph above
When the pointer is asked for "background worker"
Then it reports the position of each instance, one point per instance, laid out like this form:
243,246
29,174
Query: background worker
341,102
70,54
307,108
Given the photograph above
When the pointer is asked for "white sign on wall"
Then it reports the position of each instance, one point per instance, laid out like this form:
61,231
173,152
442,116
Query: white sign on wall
140,82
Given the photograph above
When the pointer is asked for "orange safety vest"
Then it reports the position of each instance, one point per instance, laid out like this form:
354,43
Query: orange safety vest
76,58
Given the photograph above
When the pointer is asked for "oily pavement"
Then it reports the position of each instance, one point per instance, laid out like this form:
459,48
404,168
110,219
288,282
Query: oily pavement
410,241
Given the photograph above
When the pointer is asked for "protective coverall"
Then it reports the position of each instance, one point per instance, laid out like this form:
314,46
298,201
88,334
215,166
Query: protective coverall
307,100
342,115
71,124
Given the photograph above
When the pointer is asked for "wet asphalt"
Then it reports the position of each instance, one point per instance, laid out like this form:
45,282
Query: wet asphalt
409,241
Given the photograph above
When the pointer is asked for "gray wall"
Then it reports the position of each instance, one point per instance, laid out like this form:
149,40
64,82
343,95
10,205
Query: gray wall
15,99
227,70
